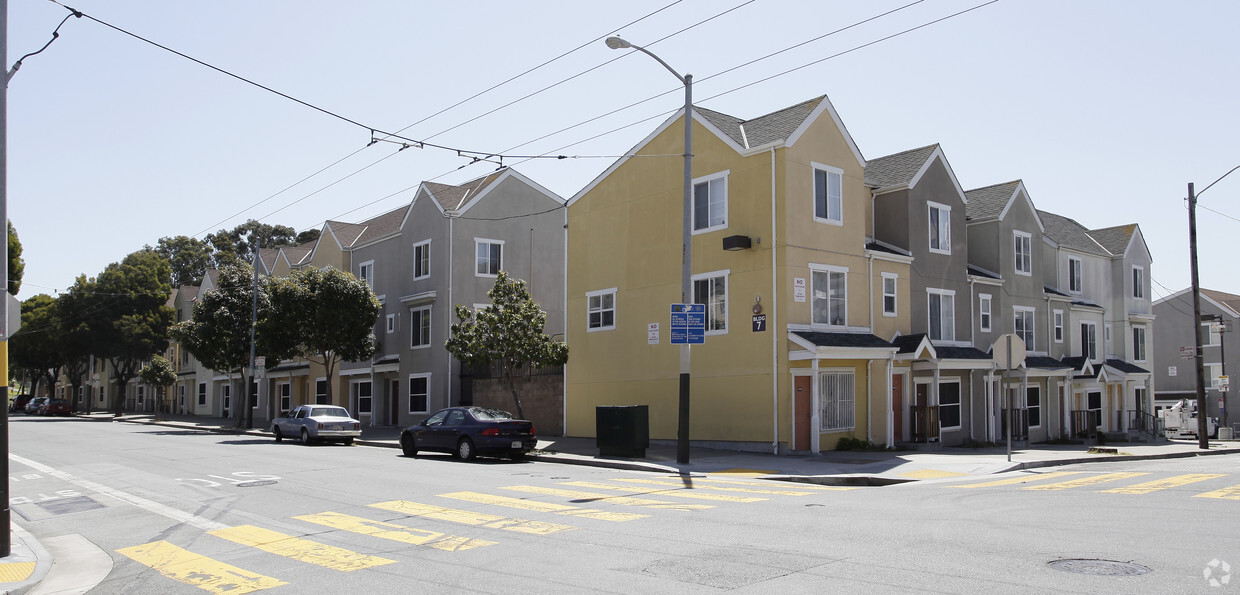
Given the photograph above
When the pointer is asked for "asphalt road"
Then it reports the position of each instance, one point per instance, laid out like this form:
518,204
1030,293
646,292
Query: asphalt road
179,512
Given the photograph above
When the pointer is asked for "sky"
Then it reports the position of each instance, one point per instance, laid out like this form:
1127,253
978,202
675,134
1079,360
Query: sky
1105,109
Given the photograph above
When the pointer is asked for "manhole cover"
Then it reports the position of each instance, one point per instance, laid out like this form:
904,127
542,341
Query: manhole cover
256,483
1099,567
70,505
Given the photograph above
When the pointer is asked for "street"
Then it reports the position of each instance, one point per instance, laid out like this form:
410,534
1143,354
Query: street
181,511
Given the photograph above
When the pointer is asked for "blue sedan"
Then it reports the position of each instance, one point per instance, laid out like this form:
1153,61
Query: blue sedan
470,431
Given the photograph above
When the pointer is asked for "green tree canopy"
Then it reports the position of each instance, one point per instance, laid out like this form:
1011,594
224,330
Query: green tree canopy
309,235
133,317
36,348
74,330
188,256
160,374
236,244
17,266
509,332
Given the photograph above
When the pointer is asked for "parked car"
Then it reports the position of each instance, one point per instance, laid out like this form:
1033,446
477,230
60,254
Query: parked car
19,404
32,407
470,431
310,423
54,407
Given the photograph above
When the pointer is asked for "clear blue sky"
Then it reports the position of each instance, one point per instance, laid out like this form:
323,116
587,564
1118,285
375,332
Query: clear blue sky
1105,109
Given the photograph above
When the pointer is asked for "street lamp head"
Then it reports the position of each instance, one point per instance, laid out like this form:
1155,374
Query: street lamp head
616,43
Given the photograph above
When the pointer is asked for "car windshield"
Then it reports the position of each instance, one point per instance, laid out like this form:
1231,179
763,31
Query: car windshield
491,414
329,412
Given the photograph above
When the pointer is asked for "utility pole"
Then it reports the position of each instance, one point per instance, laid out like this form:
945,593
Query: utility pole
6,538
249,409
1203,438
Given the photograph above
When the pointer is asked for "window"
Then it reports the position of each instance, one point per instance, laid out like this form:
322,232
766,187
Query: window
710,202
828,194
983,308
419,391
940,228
1094,406
180,395
942,314
1074,275
226,396
391,323
1138,283
184,357
202,393
320,391
1138,343
1023,252
1089,340
1213,372
420,327
711,289
254,394
1033,404
836,392
949,405
489,257
422,260
601,310
830,302
1023,326
889,294
362,389
1210,334
285,391
141,395
1058,326
366,272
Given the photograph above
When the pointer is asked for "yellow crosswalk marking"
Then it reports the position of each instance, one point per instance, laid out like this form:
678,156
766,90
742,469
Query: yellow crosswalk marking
467,517
303,550
589,513
380,529
678,493
622,500
1231,493
1014,480
200,571
1163,484
797,484
1084,481
694,484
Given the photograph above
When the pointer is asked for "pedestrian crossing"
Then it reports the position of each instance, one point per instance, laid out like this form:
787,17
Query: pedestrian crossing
580,504
1073,480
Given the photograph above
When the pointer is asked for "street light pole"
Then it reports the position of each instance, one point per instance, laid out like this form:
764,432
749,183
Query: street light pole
686,249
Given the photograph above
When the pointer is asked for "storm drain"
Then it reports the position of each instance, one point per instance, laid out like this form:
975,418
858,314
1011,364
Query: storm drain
1099,567
69,505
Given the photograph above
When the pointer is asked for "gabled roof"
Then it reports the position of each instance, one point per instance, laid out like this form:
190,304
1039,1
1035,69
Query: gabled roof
452,198
913,345
380,226
898,169
988,202
1043,362
298,255
953,352
1126,367
188,293
1227,302
1115,239
1230,300
1070,234
346,234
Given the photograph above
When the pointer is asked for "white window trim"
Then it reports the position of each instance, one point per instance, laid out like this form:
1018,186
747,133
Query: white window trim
938,402
1145,344
1032,328
1080,275
368,266
941,292
1213,339
1213,371
355,391
409,396
726,201
280,386
895,293
946,213
1041,410
427,244
989,313
598,293
1057,323
1093,324
391,323
827,268
725,273
413,333
1138,285
813,180
477,242
1016,235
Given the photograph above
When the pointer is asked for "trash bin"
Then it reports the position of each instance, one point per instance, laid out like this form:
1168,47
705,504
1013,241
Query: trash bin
1225,434
622,431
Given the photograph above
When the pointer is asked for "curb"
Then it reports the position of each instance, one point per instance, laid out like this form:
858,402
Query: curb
43,561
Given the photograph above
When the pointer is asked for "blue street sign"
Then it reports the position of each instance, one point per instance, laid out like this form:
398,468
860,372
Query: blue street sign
688,324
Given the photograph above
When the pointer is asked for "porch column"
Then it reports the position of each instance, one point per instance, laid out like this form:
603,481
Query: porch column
890,423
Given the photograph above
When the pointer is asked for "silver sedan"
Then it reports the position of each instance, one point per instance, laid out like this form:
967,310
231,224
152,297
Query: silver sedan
310,423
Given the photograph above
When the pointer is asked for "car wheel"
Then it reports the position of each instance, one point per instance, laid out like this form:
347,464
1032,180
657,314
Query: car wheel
279,435
517,455
465,449
348,442
305,437
407,446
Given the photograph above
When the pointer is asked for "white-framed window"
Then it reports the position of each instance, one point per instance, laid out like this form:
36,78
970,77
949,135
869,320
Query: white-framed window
1089,339
710,202
1033,405
202,393
180,395
711,289
1138,343
1074,274
362,392
391,323
1138,282
1213,373
1023,325
829,286
942,314
366,272
940,228
889,293
420,327
285,392
419,393
320,391
949,404
1058,314
226,395
141,391
983,309
837,400
601,310
1023,251
488,257
422,260
1210,335
828,194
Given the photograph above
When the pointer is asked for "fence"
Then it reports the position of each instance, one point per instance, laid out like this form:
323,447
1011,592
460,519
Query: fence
1020,425
925,423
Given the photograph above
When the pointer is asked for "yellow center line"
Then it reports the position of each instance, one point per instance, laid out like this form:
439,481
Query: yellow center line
1014,480
677,493
693,484
382,530
622,500
1231,493
302,550
467,517
1162,484
536,506
1084,481
200,571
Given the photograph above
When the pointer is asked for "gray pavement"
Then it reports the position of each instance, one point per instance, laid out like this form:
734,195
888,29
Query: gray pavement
31,566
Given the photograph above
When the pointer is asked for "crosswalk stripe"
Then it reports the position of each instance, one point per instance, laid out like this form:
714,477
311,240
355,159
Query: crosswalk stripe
694,485
1231,493
200,571
1084,481
678,493
302,550
382,530
518,503
1014,480
1163,484
468,517
799,485
622,500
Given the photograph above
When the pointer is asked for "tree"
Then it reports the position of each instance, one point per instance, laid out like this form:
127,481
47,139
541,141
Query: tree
508,332
17,266
133,317
36,347
160,374
188,256
327,316
75,333
237,244
305,237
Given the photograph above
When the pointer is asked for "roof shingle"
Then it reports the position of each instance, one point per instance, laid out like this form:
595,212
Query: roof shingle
989,201
897,169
